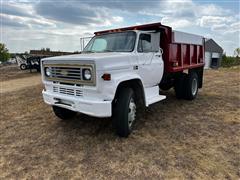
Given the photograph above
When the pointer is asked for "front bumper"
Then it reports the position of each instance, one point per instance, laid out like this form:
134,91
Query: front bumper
94,108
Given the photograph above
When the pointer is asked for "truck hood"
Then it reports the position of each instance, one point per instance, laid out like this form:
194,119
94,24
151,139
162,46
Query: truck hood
103,61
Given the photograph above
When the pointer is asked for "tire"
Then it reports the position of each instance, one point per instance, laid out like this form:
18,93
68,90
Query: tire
63,113
124,112
23,66
191,86
179,86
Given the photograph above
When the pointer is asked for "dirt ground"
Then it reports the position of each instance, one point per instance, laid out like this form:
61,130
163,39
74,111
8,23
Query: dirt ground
10,72
178,139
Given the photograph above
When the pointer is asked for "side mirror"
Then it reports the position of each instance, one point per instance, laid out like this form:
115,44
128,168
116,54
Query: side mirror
161,50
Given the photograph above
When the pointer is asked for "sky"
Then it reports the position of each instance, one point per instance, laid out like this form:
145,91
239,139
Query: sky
36,24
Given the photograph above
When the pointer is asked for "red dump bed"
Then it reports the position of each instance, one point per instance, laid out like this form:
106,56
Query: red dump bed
180,50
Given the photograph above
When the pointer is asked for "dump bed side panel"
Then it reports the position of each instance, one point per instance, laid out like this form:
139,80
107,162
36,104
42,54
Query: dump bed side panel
186,51
186,38
184,56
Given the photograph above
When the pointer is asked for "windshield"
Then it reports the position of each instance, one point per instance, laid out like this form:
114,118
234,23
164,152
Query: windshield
114,42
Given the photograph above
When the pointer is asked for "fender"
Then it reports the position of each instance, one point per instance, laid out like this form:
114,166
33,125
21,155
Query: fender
118,78
121,77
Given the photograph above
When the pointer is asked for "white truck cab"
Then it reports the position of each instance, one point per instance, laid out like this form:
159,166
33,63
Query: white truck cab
92,82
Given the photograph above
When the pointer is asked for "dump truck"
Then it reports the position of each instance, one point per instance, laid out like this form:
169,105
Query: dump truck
122,70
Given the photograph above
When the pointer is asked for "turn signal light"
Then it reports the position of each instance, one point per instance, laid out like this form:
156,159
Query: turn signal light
106,77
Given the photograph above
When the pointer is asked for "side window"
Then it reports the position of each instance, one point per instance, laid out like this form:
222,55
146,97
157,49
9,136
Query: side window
144,43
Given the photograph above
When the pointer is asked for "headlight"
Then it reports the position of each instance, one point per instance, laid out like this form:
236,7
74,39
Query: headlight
48,72
87,74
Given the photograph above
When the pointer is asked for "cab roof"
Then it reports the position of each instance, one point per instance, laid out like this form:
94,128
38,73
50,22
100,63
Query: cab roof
153,26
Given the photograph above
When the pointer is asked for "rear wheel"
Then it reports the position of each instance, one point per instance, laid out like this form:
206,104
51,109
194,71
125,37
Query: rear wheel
124,112
191,86
63,113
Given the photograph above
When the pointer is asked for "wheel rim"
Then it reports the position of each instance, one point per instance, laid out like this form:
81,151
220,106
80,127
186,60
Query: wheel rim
194,86
23,66
131,113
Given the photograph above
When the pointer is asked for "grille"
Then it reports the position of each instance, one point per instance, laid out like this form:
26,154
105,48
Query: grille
71,74
79,93
67,91
67,73
55,89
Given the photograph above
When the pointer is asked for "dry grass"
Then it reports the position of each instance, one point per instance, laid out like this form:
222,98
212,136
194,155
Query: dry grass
13,72
20,83
173,139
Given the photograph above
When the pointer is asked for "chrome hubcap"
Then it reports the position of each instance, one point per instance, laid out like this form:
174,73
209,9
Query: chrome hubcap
194,86
131,113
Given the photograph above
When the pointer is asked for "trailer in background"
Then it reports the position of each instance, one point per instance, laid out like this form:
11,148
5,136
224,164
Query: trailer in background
29,62
32,60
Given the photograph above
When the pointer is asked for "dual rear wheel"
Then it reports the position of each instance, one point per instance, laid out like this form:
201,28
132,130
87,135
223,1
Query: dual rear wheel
186,86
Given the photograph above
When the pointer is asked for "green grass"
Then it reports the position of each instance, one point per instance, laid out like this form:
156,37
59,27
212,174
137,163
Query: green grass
228,61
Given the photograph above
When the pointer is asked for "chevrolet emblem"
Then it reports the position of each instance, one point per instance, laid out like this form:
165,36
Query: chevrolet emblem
64,72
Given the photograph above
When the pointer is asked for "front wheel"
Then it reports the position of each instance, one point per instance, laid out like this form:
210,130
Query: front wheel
63,113
124,112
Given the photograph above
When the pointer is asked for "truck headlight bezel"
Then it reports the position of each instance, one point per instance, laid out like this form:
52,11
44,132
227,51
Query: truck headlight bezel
48,71
87,74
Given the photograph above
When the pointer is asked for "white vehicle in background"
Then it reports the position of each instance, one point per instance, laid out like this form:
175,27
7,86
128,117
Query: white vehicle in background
29,62
22,63
121,69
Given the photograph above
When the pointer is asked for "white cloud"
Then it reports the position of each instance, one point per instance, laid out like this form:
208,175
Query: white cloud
235,27
181,9
77,13
219,27
62,39
227,29
20,22
177,23
109,22
208,21
212,10
14,8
